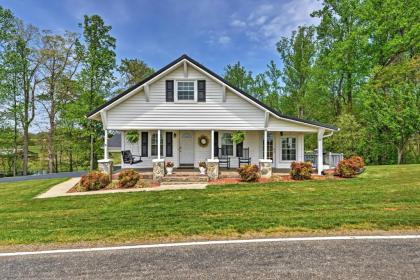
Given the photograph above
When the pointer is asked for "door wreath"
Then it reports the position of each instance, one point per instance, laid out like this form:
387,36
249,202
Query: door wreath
203,141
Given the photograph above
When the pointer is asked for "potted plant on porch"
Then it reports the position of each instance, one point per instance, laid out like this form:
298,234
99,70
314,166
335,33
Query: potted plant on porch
169,167
202,166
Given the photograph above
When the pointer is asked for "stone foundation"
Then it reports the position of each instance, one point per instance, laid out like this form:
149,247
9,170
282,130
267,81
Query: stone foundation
158,169
266,168
105,165
213,169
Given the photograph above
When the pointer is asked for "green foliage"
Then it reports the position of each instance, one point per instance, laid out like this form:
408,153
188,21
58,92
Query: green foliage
249,173
94,180
238,76
301,170
128,178
134,71
298,56
133,136
238,137
351,138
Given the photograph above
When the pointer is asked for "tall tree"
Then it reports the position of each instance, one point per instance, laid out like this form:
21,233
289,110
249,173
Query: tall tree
298,55
133,71
96,76
342,43
59,65
27,62
238,76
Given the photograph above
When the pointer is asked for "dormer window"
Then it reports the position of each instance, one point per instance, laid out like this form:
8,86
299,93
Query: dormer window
186,91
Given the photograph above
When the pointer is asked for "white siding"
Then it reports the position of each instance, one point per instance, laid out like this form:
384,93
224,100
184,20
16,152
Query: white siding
136,113
275,124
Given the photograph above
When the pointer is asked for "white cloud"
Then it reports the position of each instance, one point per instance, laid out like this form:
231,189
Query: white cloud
238,23
224,40
267,23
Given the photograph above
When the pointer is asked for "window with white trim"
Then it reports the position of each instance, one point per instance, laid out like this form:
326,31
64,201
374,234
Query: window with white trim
185,91
154,144
288,148
227,144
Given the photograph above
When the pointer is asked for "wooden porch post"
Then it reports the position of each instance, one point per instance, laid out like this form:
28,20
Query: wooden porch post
106,144
265,144
158,144
212,144
320,166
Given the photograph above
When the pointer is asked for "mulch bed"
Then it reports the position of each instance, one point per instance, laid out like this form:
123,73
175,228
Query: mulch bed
281,178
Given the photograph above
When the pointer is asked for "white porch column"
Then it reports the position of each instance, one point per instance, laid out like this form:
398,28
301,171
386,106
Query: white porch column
158,144
212,144
106,144
320,151
265,144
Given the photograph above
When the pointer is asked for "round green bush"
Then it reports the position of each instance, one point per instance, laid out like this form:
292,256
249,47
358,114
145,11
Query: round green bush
94,180
128,178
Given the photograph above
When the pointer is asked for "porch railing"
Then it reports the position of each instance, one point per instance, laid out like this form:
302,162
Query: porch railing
331,159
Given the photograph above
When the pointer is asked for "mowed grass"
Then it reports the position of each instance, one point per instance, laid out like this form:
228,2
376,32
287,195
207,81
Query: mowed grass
383,198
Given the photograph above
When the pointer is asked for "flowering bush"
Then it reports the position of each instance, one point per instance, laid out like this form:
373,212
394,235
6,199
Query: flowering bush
350,167
358,161
249,173
301,170
128,178
94,180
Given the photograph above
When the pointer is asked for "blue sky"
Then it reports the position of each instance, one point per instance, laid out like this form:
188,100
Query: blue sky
215,33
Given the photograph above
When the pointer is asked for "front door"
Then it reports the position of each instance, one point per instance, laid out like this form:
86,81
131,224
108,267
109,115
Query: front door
186,147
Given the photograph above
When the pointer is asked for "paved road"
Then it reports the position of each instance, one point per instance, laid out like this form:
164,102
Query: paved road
333,259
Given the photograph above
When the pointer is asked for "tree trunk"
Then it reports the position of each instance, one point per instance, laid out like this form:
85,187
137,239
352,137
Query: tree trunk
71,160
399,155
25,149
51,151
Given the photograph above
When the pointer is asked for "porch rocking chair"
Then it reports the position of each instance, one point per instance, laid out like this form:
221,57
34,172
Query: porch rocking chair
224,159
244,158
129,158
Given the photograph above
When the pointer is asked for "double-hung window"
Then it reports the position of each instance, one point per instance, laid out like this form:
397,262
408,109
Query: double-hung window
288,148
186,91
227,144
154,144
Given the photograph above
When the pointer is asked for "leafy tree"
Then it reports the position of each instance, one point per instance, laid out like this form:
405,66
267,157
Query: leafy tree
350,140
133,71
59,65
238,76
342,41
298,55
96,76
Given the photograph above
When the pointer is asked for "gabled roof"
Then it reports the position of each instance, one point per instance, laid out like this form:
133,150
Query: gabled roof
216,76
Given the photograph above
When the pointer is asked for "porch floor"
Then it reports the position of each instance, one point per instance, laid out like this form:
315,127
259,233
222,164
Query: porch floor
224,172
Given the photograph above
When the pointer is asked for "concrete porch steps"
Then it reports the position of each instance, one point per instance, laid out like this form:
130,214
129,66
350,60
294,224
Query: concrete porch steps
175,179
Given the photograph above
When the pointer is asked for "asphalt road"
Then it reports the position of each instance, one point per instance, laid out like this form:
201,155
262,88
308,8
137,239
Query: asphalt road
333,259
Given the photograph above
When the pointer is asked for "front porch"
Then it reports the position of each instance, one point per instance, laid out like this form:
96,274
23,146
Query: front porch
273,151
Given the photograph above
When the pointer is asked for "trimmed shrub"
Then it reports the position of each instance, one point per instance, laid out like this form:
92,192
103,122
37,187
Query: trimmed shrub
249,173
128,178
358,161
301,170
348,168
94,180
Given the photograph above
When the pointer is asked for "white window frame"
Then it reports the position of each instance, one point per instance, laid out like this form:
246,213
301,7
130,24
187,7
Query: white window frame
281,148
233,143
176,92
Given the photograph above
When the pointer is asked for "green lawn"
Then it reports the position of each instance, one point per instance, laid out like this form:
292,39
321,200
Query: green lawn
383,198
